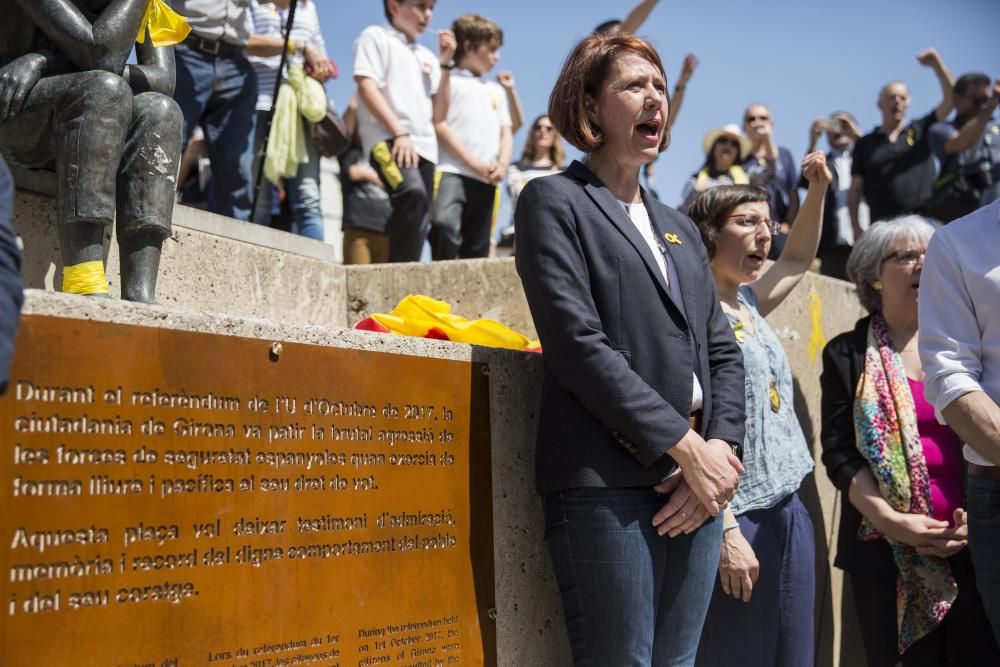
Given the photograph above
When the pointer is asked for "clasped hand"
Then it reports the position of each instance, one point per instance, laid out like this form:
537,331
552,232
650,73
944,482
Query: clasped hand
930,537
704,484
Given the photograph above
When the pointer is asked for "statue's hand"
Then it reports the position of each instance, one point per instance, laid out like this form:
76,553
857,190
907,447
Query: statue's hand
17,79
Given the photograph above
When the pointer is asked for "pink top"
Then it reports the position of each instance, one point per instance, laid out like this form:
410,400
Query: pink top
943,453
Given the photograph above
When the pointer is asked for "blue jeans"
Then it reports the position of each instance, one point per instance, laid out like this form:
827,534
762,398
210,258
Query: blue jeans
775,628
983,499
302,189
630,597
220,93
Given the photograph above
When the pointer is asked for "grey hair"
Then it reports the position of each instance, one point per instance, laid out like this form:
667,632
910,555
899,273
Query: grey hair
864,266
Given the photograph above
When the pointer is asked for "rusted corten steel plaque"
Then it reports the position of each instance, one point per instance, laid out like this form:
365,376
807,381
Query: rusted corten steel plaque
179,498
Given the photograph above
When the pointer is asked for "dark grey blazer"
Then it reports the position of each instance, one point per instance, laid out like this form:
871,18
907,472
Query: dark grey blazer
11,292
619,353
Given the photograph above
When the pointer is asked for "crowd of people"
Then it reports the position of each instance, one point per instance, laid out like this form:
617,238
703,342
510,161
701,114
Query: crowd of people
431,137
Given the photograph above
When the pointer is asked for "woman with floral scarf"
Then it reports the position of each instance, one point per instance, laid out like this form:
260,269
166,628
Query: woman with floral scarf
902,532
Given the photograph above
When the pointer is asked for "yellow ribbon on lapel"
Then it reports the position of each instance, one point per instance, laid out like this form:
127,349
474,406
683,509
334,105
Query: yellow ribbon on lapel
739,330
817,341
166,27
673,238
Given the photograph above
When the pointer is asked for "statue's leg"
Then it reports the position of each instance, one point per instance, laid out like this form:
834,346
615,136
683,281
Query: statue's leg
89,123
147,183
78,122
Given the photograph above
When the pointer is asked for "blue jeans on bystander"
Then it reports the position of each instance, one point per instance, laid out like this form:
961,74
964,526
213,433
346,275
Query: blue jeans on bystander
631,598
302,190
220,93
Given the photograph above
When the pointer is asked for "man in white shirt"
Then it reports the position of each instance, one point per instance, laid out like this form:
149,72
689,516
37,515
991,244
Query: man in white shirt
476,142
403,90
960,352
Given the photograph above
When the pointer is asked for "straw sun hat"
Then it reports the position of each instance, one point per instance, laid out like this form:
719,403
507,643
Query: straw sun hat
731,131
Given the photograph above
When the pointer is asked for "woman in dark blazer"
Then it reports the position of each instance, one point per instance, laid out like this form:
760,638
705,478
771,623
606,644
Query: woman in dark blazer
643,373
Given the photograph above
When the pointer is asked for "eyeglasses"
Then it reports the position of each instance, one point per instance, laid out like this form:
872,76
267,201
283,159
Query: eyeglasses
545,128
727,141
906,257
748,223
750,119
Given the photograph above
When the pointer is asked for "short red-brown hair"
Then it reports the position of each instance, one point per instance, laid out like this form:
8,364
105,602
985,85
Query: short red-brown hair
583,75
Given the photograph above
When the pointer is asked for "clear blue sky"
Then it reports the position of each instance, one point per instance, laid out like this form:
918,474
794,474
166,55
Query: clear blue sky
803,59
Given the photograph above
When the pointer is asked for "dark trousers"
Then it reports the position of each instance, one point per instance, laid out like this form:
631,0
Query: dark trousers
775,628
463,214
963,639
984,543
115,153
410,192
220,93
631,598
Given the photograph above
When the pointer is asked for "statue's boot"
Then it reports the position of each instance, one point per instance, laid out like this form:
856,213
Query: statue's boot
140,263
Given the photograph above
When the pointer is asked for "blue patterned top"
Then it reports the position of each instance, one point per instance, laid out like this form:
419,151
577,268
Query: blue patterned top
775,453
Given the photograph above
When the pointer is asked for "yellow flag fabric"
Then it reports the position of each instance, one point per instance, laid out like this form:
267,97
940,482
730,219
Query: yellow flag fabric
299,97
166,27
424,317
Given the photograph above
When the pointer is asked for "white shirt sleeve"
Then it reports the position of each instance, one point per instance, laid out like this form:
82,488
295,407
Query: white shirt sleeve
317,38
369,56
435,72
950,339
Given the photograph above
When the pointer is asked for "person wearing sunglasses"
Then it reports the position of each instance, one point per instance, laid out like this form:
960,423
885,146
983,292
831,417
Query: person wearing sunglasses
968,150
544,155
903,533
725,148
775,167
761,613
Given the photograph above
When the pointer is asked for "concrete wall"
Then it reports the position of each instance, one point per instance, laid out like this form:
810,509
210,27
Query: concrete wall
298,292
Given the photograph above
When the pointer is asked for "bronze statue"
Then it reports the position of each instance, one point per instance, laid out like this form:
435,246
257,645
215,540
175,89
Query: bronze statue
110,129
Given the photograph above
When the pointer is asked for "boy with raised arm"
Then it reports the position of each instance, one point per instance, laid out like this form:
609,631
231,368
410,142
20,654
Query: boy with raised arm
476,143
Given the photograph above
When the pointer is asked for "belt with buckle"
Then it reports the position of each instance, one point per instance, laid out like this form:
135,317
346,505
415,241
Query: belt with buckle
215,47
992,472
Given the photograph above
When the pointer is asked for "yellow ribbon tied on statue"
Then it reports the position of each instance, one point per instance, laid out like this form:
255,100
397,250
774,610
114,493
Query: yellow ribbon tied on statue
424,317
85,278
300,97
166,27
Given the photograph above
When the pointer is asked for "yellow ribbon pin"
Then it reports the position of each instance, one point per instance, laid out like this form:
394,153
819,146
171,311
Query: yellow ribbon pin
817,341
673,238
738,331
166,27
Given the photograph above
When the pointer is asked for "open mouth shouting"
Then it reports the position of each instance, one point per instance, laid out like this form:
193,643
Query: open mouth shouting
649,130
755,260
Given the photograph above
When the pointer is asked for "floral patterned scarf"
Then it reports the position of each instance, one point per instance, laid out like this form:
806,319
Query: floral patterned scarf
885,423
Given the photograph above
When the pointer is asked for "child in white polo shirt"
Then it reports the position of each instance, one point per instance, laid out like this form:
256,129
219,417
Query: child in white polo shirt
404,90
475,143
